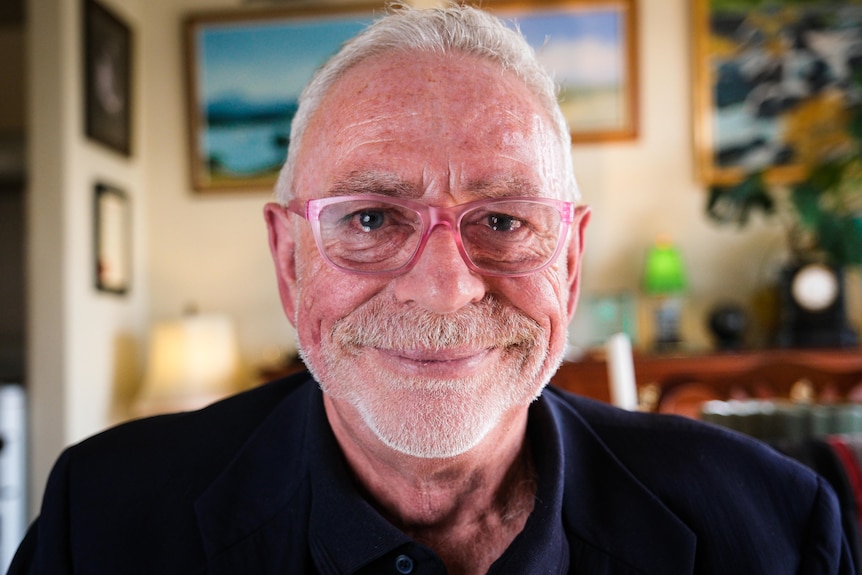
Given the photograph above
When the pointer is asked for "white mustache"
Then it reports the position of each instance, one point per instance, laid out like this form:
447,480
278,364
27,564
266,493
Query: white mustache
486,324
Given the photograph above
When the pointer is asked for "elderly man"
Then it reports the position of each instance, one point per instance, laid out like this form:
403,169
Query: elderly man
427,244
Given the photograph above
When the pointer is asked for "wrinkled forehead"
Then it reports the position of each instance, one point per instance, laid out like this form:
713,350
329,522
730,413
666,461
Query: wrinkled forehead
440,122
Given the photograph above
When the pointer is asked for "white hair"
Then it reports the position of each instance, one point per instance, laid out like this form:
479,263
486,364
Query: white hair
456,28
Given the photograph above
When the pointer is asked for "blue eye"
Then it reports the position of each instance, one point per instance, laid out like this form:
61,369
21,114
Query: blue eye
370,220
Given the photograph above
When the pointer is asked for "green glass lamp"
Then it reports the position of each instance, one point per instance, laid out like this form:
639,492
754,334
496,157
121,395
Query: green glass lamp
664,279
664,272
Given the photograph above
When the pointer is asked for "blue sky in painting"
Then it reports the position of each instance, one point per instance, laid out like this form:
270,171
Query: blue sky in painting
584,47
271,61
261,61
600,24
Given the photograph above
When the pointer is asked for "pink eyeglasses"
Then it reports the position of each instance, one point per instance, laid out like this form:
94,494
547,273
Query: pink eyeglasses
372,234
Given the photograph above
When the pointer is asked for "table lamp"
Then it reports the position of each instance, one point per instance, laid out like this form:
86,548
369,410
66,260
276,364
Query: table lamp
664,280
193,361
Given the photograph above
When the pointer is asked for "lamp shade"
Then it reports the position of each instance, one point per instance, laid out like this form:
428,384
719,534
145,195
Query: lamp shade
664,272
192,361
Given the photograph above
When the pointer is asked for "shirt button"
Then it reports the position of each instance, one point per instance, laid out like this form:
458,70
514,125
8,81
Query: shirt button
404,564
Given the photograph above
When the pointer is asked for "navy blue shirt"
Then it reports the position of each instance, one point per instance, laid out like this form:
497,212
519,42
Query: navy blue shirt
256,484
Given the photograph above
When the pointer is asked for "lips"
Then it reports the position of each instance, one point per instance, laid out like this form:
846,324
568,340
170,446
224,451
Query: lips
438,355
448,363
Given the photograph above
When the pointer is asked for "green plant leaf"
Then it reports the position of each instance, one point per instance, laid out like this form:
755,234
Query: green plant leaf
806,201
827,175
829,237
840,238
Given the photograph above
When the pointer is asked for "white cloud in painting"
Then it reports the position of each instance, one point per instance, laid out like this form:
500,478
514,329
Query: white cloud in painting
587,61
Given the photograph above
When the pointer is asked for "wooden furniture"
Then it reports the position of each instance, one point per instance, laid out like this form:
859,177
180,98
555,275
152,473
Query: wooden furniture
679,383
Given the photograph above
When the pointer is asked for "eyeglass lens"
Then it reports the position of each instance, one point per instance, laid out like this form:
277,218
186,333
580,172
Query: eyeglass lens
374,236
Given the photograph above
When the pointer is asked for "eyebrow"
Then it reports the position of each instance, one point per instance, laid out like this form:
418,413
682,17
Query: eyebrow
503,186
378,183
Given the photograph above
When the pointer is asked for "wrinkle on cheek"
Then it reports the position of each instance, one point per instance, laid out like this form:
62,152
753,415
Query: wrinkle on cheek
551,291
308,268
304,315
550,288
546,286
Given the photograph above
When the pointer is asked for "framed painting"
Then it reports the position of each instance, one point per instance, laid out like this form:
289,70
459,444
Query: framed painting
772,83
245,72
107,78
590,46
113,252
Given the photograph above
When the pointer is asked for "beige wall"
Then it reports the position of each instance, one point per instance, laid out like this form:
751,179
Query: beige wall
210,250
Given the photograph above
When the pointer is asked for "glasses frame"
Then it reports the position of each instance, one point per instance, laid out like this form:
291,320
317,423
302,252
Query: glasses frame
432,217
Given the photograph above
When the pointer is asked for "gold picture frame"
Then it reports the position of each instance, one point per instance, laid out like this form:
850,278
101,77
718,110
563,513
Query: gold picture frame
770,85
245,70
590,46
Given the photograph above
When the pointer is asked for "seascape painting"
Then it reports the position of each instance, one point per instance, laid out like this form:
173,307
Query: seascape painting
246,77
588,46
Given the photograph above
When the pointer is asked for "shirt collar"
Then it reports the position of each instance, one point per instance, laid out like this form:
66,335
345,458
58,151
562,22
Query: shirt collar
345,531
348,534
541,547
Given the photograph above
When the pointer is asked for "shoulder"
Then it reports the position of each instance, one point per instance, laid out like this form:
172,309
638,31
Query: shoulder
244,410
118,495
750,508
744,501
196,444
643,439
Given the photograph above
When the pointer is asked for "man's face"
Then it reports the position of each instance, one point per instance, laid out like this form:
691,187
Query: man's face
432,359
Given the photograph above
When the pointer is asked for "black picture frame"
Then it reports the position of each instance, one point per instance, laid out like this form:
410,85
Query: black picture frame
112,239
107,78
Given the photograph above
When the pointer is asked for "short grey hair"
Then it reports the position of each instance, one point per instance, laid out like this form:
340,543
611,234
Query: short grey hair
456,28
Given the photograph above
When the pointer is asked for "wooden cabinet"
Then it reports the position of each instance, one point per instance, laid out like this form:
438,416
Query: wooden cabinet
675,382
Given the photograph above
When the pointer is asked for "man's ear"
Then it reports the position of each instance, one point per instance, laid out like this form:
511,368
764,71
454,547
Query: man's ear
575,255
282,246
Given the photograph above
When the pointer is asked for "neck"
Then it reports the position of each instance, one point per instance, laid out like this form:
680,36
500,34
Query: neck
467,508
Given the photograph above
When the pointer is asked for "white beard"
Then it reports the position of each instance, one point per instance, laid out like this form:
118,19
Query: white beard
424,416
430,422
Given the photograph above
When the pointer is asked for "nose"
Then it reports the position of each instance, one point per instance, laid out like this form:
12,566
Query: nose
440,280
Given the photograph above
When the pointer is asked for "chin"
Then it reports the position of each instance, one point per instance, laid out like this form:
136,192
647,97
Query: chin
430,417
